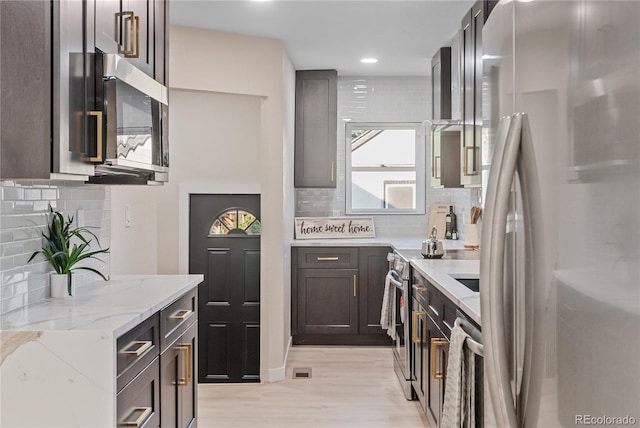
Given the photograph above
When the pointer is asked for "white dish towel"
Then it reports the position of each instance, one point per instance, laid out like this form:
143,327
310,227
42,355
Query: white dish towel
387,312
459,396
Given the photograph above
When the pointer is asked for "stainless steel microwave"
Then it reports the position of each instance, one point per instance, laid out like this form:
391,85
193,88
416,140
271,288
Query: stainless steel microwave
132,145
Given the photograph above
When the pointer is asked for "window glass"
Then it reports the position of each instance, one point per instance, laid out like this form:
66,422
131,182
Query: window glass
235,221
385,171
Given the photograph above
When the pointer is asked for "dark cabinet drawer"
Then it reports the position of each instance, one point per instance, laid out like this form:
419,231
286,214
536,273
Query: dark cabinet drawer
448,317
136,349
139,402
328,258
175,318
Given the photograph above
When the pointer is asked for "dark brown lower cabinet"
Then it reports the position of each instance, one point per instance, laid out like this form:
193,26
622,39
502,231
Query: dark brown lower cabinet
157,364
139,402
337,294
436,372
178,383
420,351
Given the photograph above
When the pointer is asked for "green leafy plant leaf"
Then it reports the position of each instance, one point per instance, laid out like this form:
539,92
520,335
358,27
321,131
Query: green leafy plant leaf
62,254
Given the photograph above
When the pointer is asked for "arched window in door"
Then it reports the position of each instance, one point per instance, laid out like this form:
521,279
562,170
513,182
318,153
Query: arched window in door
235,221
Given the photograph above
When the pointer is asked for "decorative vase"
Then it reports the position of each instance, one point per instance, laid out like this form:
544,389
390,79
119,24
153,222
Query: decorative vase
62,285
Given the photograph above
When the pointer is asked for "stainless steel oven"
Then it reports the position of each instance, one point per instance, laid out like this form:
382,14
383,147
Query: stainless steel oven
400,268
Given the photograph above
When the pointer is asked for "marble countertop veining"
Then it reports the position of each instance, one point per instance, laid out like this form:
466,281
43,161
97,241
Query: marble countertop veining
116,305
441,274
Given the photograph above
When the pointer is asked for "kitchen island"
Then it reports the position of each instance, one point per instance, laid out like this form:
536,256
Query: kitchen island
60,358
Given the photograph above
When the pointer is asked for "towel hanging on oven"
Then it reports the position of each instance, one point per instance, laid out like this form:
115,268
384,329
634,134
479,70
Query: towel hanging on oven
387,312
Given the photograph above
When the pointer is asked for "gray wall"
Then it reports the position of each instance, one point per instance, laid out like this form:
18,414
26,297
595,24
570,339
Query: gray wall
383,99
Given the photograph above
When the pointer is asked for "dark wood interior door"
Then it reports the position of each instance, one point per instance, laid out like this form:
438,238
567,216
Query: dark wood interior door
224,245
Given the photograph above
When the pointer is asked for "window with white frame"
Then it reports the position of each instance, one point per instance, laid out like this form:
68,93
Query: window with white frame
385,168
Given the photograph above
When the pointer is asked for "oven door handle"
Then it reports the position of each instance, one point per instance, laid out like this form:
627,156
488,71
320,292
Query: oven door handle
396,283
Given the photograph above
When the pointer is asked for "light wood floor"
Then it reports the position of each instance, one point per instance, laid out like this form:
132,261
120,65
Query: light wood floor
350,387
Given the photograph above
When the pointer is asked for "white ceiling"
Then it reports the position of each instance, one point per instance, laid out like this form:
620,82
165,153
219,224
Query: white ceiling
328,34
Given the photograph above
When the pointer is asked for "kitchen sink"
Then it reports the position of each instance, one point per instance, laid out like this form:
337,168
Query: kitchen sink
472,284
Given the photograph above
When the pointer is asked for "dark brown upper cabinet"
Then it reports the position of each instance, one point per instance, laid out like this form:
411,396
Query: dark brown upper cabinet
471,66
132,28
441,84
316,128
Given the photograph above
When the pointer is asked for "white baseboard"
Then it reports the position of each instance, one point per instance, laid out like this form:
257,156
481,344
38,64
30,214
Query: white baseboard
279,374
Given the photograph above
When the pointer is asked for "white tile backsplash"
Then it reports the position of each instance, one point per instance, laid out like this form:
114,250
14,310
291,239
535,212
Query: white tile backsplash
383,99
23,216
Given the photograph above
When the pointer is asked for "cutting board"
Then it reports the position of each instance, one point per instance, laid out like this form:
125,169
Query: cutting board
437,214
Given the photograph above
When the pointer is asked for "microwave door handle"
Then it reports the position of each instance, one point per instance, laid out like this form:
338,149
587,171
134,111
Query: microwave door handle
535,292
492,270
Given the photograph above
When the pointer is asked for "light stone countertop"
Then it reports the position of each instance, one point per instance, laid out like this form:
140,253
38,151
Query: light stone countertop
58,356
441,273
115,306
398,243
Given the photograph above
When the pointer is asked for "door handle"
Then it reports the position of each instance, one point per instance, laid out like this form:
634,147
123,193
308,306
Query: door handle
354,286
98,116
436,343
133,50
513,151
186,350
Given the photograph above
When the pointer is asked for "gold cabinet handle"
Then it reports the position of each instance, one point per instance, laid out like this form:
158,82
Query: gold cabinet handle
98,116
327,259
332,170
467,170
181,315
187,350
146,411
414,325
142,346
354,286
134,35
435,344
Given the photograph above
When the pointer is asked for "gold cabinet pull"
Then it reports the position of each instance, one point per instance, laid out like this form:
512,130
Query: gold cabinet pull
134,35
473,170
414,326
181,315
142,346
327,259
146,411
435,344
354,286
187,356
98,116
332,170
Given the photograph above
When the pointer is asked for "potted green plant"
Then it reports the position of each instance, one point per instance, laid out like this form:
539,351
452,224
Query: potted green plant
63,255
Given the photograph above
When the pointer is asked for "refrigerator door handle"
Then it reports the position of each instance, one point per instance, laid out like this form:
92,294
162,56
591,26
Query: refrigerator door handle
494,334
533,364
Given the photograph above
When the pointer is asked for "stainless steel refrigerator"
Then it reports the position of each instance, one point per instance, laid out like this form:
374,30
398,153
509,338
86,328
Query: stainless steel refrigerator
560,258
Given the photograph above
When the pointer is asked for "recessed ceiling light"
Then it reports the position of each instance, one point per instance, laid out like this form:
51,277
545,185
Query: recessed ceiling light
369,60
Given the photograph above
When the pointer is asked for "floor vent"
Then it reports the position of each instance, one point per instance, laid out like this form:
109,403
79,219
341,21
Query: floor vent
302,373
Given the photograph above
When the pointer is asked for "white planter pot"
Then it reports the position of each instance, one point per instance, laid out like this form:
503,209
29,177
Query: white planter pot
59,285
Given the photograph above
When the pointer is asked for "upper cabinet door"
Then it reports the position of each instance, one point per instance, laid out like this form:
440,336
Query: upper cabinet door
471,143
316,128
127,29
